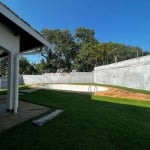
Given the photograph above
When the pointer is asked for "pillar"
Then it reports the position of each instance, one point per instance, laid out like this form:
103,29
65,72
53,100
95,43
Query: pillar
10,42
13,71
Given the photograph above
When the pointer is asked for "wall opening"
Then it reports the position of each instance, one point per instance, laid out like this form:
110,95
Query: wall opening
3,80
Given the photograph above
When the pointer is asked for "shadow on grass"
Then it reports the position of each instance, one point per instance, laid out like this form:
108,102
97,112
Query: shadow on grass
88,122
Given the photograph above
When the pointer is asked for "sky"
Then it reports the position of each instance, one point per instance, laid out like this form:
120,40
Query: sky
121,21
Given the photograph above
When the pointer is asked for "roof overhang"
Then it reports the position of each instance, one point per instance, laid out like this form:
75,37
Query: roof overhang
29,37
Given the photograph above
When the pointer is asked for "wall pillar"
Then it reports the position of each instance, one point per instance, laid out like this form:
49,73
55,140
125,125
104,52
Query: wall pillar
10,95
10,42
13,70
16,82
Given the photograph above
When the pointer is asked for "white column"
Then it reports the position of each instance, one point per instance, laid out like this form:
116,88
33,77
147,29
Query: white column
10,95
13,71
0,82
16,82
11,43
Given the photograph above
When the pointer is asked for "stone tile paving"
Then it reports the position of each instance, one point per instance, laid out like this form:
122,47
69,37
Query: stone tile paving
26,111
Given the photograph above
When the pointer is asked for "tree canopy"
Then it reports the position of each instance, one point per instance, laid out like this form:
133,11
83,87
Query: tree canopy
80,51
26,67
85,35
62,52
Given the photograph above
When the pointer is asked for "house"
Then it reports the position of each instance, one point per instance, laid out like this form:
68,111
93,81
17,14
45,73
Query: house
16,37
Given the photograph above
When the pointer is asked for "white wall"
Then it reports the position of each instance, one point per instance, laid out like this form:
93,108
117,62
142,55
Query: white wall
3,82
73,77
133,73
11,43
6,37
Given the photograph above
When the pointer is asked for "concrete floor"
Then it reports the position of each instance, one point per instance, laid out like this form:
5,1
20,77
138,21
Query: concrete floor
26,111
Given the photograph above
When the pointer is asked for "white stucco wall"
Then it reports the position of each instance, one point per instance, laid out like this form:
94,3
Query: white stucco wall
7,36
3,82
10,42
133,73
73,77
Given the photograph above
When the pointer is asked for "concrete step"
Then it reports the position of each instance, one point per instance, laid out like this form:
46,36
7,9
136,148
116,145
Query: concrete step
41,121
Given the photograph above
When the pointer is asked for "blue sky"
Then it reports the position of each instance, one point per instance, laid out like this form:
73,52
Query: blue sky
123,21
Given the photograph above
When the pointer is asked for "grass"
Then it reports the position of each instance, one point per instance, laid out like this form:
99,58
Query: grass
3,91
87,123
21,87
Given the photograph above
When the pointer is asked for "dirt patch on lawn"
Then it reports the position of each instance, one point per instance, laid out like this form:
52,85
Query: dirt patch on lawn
120,93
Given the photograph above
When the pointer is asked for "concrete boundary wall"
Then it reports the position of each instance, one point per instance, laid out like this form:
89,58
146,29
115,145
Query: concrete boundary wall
73,77
133,73
3,82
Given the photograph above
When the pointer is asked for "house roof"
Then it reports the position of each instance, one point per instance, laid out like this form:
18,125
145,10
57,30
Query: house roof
29,37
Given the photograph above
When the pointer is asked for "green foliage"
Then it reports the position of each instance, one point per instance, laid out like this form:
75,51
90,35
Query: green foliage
85,35
65,48
62,52
88,55
96,54
86,58
115,52
21,87
26,67
82,51
41,66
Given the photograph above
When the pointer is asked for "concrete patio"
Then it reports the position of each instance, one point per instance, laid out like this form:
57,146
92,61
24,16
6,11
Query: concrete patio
26,112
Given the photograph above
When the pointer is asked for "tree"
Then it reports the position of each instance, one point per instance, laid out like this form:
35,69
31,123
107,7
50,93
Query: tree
63,49
115,52
82,51
26,67
87,54
85,35
41,67
87,58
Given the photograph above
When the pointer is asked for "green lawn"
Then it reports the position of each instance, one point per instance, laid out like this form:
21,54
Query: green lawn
21,87
87,123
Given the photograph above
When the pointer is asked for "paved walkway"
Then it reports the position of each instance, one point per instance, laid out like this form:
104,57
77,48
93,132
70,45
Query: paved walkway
26,111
